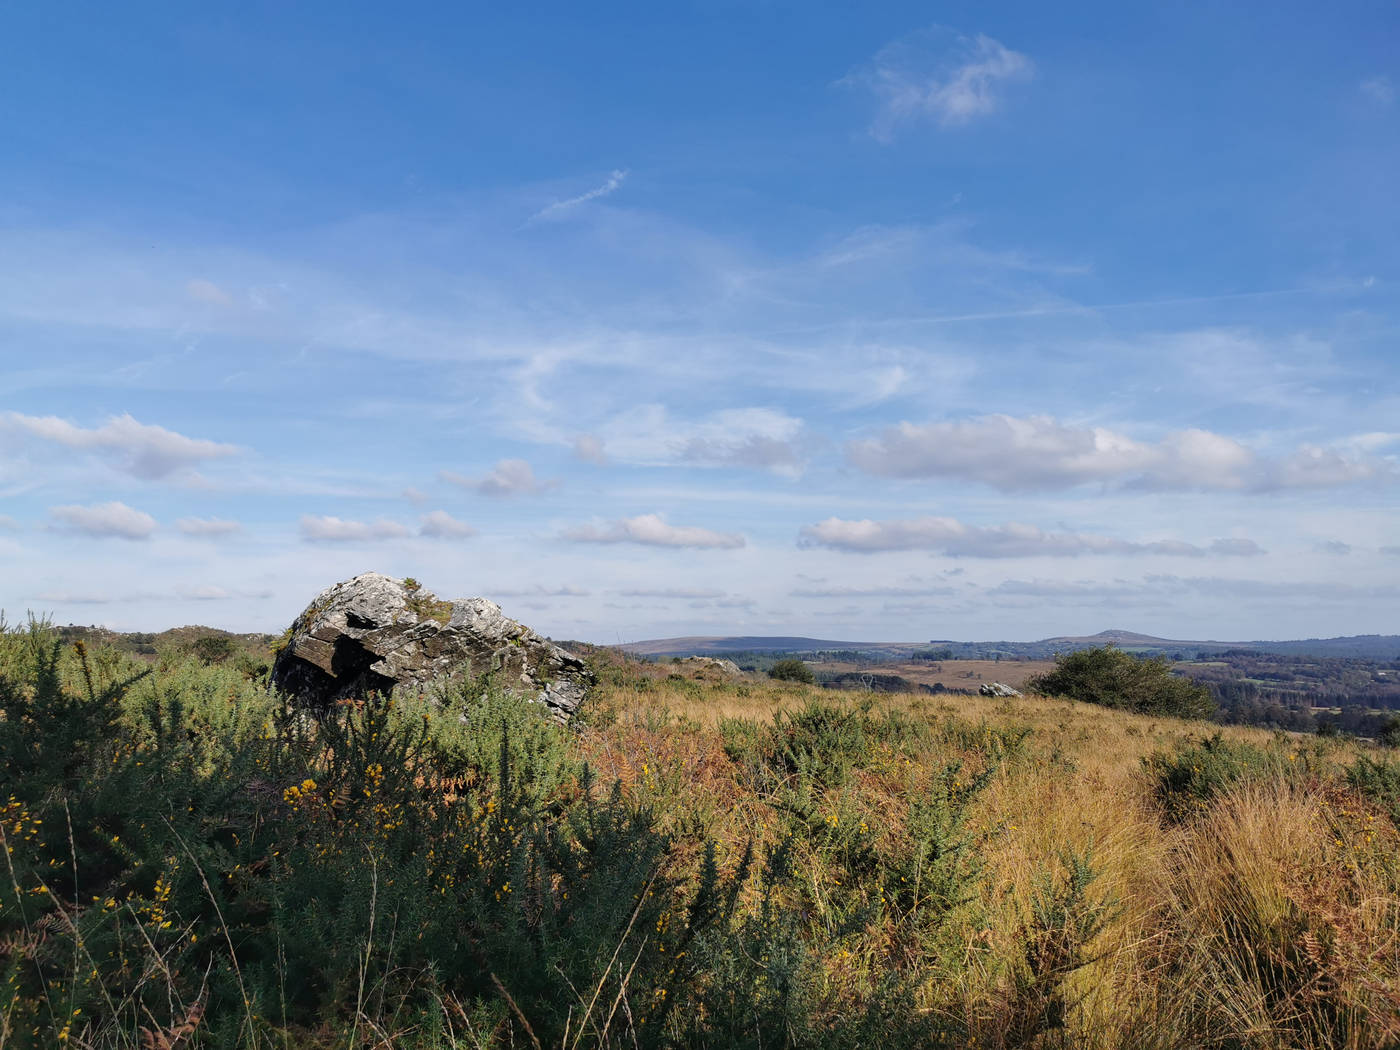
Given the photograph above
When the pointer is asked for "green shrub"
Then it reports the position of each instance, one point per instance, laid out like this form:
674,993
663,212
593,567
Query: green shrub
1388,735
792,670
1186,779
1108,676
1378,780
213,648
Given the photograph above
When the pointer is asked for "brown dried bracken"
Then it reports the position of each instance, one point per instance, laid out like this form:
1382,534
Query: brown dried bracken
173,1038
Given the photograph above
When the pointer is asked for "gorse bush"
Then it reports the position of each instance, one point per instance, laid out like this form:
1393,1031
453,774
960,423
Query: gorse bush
1113,678
1065,917
1188,778
236,866
1379,781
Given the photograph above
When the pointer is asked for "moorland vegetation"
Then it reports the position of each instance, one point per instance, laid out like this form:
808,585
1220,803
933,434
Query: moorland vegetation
698,861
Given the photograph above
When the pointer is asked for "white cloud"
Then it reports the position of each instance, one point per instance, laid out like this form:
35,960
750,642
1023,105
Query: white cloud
590,449
1014,540
939,76
440,525
510,477
105,519
652,530
1379,89
7,523
1313,467
209,528
329,529
414,495
140,449
1037,452
206,291
611,185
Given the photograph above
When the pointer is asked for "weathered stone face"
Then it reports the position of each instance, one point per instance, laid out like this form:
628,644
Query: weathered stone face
372,633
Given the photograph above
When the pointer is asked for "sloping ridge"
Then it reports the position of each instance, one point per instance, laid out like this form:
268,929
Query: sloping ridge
700,645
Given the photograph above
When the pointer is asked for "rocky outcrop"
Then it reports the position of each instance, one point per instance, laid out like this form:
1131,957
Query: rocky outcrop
997,689
726,668
373,632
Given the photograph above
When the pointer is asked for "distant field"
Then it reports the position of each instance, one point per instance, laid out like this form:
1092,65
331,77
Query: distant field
951,674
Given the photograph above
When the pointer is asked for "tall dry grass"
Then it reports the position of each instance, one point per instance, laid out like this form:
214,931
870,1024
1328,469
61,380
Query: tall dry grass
1271,919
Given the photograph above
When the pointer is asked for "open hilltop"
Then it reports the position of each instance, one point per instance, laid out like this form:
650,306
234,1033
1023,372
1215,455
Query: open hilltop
701,858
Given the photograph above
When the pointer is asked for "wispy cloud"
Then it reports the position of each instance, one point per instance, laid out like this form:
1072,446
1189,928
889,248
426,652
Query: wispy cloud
939,76
1014,540
208,528
760,453
1380,89
756,438
651,530
1156,588
104,520
892,591
203,592
142,450
589,449
537,591
692,593
611,185
205,291
330,529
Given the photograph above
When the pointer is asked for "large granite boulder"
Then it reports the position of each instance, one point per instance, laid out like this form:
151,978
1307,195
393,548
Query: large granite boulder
997,689
374,632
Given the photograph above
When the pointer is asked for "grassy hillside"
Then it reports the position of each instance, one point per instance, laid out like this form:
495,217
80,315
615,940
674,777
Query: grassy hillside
703,861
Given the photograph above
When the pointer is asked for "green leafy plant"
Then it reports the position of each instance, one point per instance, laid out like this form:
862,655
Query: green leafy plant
792,670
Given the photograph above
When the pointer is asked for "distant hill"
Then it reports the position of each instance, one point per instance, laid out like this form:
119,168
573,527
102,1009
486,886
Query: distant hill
704,646
1380,647
1384,648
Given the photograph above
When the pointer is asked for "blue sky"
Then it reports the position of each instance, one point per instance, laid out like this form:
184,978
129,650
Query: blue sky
860,321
